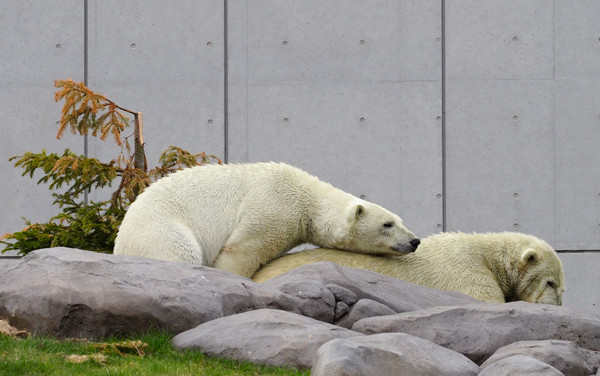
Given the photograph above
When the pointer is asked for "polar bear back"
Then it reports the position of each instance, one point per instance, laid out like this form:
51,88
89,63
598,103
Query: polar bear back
492,267
207,200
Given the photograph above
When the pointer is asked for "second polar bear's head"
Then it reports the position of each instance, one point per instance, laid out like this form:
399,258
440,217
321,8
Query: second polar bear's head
540,274
374,230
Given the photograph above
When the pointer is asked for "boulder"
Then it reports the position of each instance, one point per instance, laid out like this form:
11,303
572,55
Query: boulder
73,293
478,330
565,356
400,296
387,354
68,292
264,336
520,365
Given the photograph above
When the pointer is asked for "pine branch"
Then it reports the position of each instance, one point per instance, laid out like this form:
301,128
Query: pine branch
80,110
79,172
176,157
133,182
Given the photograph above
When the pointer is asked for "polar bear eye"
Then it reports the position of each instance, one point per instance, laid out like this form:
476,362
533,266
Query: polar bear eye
388,224
550,283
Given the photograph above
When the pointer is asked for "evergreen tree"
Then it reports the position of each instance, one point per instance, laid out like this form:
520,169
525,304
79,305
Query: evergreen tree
92,226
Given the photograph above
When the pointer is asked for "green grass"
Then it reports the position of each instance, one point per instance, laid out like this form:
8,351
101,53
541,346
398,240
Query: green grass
117,356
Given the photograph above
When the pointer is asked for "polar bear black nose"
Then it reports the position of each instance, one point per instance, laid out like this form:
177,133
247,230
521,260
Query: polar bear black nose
415,243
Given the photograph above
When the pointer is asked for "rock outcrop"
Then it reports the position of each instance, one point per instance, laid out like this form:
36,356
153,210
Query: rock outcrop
333,319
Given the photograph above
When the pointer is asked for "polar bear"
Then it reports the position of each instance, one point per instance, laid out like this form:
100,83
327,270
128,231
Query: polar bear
492,267
236,217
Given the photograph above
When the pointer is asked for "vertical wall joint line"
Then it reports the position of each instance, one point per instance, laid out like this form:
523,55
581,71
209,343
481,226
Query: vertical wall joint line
85,79
225,84
444,181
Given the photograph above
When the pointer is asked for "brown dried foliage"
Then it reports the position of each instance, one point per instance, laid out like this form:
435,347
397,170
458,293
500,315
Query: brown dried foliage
86,112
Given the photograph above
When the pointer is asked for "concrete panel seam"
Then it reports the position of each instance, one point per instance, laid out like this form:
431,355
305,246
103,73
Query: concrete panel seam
568,251
443,88
85,79
225,84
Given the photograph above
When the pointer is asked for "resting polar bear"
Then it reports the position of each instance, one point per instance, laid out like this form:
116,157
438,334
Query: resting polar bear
237,217
493,267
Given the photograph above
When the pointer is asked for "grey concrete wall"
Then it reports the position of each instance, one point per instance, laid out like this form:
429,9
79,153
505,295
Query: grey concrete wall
460,115
40,42
581,280
335,92
523,120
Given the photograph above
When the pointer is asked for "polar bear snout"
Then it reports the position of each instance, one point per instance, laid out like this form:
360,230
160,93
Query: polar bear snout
415,243
407,247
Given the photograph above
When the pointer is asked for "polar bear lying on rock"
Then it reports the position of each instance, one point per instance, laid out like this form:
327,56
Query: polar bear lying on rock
493,267
237,217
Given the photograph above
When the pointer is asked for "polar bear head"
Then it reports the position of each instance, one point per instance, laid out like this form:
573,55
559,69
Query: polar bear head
540,275
375,230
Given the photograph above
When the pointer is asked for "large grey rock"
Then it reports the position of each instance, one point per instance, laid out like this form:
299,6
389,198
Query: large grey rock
478,330
565,356
520,365
398,295
389,354
263,336
69,292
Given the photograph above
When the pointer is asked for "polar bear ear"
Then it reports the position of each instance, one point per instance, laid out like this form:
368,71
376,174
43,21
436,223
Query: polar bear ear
357,212
529,256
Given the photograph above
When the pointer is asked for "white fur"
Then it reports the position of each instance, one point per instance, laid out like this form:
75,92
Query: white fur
237,217
494,267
